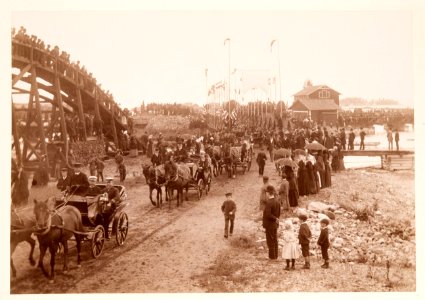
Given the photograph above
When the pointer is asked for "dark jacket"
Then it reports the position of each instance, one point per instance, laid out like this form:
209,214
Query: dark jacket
304,235
156,160
323,238
228,206
79,179
271,214
261,158
63,182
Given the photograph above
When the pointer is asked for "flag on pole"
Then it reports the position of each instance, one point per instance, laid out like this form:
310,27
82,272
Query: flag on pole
234,115
271,45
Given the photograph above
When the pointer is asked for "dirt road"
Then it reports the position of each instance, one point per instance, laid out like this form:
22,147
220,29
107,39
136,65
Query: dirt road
165,247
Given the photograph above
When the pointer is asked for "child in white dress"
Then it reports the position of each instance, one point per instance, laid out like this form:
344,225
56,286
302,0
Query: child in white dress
290,250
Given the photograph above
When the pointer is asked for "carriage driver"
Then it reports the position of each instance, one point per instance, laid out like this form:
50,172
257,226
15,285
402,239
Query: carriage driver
114,199
93,189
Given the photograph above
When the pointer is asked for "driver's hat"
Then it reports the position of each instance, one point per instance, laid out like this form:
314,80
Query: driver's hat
109,179
92,178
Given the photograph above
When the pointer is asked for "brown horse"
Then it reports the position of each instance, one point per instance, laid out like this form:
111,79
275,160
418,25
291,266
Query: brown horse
176,179
21,229
56,227
155,179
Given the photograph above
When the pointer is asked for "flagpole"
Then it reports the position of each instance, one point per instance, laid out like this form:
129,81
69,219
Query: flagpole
280,79
228,92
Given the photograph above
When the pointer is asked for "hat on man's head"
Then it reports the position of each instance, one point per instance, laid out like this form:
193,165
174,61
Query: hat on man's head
92,178
109,179
265,177
228,194
64,169
78,165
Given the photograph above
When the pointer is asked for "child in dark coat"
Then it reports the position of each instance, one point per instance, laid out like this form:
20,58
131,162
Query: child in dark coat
323,241
304,236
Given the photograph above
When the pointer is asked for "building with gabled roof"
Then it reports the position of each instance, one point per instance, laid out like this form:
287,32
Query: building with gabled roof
317,102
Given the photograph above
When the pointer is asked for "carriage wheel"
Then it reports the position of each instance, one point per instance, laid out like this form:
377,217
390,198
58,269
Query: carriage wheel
201,187
97,241
122,229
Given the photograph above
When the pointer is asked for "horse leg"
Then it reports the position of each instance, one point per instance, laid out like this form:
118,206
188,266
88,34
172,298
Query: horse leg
43,249
78,240
12,266
65,256
53,249
32,244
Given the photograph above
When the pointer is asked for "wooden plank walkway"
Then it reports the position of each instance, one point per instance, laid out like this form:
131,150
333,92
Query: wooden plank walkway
391,160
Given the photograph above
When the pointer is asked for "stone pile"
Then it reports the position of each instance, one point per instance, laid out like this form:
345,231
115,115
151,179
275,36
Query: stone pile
352,240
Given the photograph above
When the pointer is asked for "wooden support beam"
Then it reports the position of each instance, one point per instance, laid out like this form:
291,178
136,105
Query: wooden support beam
16,138
27,125
20,75
38,113
114,130
80,110
61,114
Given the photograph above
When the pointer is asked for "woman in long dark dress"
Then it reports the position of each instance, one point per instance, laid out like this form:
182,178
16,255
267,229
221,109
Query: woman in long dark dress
328,181
293,190
320,165
311,181
302,176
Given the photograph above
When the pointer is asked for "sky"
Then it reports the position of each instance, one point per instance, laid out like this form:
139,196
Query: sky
161,56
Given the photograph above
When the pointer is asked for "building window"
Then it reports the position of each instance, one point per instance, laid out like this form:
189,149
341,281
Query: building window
323,94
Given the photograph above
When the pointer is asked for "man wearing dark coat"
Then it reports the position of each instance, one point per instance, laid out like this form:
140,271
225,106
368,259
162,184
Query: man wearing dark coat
229,209
271,216
114,199
64,179
343,138
155,159
79,178
261,161
351,138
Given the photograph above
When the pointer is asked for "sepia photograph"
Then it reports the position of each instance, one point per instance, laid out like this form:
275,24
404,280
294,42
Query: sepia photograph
215,148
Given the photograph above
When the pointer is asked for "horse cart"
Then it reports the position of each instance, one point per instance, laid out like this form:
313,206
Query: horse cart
92,209
201,178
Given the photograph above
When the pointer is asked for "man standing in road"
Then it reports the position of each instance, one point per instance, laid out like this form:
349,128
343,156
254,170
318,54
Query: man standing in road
271,216
229,209
261,161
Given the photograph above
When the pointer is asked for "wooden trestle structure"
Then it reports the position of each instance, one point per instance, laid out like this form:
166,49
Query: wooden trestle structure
66,91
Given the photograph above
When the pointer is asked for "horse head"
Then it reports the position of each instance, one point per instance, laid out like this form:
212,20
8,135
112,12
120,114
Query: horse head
42,214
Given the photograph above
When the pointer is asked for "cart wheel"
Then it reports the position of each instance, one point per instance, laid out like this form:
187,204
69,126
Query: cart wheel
122,229
97,241
200,188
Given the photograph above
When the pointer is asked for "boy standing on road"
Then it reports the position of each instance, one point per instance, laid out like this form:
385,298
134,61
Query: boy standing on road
323,241
229,209
304,236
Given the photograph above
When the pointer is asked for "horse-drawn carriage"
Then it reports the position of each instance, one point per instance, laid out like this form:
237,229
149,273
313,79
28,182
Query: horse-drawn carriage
200,175
238,157
92,208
